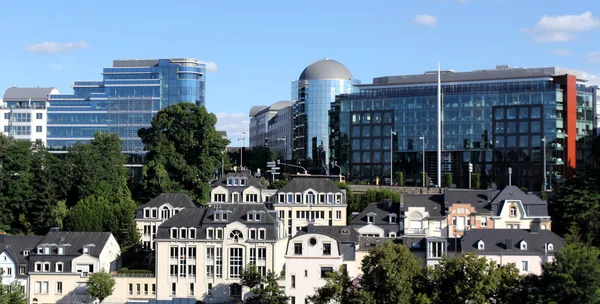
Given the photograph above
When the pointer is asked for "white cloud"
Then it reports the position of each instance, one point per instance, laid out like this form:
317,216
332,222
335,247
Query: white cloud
592,79
210,66
563,52
55,66
51,47
425,20
234,124
593,57
562,28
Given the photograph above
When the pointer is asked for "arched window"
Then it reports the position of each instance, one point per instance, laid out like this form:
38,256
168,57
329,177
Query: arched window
165,213
513,211
236,235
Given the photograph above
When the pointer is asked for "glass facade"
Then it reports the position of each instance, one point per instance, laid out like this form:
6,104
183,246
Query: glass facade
311,102
492,124
127,98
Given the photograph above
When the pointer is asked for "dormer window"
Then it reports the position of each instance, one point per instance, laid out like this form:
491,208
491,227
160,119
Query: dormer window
47,250
40,250
25,252
59,267
38,266
220,215
174,233
262,233
513,211
345,231
154,213
146,213
164,212
219,233
192,233
210,233
549,247
282,198
61,250
330,198
243,181
183,233
229,182
371,218
235,182
480,245
252,234
86,250
523,245
392,218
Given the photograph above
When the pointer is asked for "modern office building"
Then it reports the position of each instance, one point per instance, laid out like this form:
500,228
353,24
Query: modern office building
312,96
125,100
272,127
23,113
495,119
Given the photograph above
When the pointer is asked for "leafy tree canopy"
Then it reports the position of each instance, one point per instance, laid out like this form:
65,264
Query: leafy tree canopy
100,285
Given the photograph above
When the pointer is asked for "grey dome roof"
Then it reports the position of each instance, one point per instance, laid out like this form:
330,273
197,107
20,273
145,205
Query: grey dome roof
325,69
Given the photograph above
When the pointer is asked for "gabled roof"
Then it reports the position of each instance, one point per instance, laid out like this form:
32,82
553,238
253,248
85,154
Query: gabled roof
479,199
301,184
76,240
534,206
15,245
382,213
344,234
177,200
433,203
495,241
250,180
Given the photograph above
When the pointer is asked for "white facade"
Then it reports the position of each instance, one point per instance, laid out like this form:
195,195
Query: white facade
419,223
24,123
8,266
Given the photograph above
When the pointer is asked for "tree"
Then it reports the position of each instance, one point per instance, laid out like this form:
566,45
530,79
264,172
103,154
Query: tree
278,184
574,275
360,202
388,274
100,285
11,293
254,158
184,150
265,290
472,279
476,180
447,180
338,288
400,178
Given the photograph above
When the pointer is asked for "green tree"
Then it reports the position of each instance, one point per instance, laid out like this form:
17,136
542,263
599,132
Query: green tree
100,285
447,180
338,288
254,158
184,150
400,178
278,184
265,290
426,179
11,293
361,201
574,275
476,180
389,271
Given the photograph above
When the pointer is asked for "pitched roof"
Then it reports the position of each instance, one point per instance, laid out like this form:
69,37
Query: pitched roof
15,245
365,243
301,184
177,200
250,180
433,203
495,241
188,217
344,234
382,213
77,240
534,206
479,199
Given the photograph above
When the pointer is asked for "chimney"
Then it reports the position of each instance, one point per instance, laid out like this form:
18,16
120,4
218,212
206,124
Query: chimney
2,238
534,228
354,214
311,227
54,229
494,187
509,244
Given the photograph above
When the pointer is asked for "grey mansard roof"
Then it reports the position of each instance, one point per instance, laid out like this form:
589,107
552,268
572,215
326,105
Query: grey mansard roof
301,184
15,245
77,240
495,241
534,206
177,200
325,69
382,214
479,199
21,94
433,203
250,180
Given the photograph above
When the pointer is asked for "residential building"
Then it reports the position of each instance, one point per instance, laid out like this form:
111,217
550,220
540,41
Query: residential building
201,251
312,95
527,249
23,113
132,288
423,215
379,220
514,209
312,253
125,100
62,261
310,200
155,212
239,187
494,119
272,127
467,209
14,251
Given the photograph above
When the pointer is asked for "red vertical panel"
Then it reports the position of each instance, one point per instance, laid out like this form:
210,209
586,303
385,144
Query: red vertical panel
569,84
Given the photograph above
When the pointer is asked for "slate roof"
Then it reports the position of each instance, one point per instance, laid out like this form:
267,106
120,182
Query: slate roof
332,231
301,184
382,214
479,199
366,242
250,180
177,200
495,241
77,240
433,203
534,206
15,245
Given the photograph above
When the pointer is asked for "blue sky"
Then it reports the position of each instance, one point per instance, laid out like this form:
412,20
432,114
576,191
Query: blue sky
254,49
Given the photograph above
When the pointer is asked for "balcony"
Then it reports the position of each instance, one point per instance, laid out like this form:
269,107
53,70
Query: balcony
415,231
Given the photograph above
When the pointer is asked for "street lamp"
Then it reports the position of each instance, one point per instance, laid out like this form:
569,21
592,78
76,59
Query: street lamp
284,140
392,133
336,165
243,139
423,139
545,181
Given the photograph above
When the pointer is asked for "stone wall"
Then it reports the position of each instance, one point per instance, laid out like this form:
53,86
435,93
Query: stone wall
359,189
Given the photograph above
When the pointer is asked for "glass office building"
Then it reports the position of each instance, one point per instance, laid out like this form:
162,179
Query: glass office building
495,119
130,94
312,96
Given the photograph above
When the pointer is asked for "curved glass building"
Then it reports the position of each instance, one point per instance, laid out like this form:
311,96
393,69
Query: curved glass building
312,96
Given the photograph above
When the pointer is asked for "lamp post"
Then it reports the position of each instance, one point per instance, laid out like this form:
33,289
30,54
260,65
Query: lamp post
284,140
423,159
544,163
335,164
243,139
392,133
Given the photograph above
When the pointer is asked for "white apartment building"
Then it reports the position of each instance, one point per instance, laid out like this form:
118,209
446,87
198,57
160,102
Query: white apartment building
23,113
61,263
161,208
239,187
200,252
13,258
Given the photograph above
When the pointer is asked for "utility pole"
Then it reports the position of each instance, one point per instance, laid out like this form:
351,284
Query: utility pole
470,173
